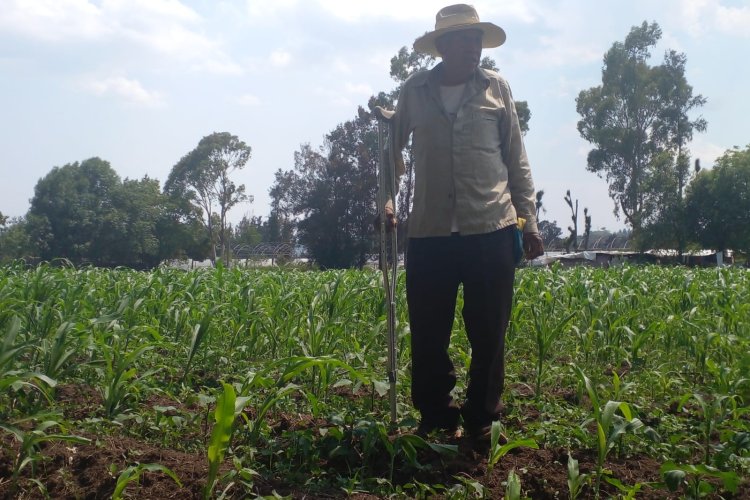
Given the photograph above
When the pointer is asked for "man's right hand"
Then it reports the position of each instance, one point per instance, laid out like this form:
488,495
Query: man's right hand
390,220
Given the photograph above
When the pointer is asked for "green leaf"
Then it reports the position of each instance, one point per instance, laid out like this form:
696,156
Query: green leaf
674,479
513,487
380,387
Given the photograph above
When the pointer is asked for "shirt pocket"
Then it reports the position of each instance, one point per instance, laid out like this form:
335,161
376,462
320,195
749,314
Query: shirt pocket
485,131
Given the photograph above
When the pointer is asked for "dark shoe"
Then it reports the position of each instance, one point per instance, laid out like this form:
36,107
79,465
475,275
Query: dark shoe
483,434
442,420
426,428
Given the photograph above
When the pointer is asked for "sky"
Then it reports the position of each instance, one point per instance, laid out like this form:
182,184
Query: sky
139,82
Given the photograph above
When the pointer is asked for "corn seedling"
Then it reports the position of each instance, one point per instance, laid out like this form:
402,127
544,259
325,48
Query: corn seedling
547,329
199,334
29,441
714,410
498,450
693,478
228,406
133,474
512,486
610,427
576,480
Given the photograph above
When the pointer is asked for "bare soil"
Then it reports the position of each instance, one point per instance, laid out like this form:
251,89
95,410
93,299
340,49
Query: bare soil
90,471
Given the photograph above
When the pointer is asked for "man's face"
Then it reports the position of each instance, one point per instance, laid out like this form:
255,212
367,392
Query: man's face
461,49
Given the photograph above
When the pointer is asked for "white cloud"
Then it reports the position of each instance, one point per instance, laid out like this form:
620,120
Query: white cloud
703,16
126,89
53,20
706,151
733,20
166,27
341,66
248,100
172,29
358,89
280,58
334,98
264,11
560,50
400,10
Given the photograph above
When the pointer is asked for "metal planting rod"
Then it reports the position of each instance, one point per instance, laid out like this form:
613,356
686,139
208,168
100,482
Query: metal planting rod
386,190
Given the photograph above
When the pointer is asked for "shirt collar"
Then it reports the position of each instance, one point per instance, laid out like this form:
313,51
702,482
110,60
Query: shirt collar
480,78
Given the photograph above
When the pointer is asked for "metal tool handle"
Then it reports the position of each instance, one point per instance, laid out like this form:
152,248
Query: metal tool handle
386,187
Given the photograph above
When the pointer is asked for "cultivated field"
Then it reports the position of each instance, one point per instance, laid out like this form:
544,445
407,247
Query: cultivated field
630,382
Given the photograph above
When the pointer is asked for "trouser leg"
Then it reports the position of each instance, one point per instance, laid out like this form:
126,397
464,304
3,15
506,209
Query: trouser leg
431,288
488,272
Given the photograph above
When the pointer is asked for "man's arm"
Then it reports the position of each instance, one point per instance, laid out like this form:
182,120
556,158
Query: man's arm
520,182
397,139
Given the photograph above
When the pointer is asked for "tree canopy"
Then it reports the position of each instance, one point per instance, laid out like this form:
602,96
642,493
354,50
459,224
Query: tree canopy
718,203
83,212
202,176
637,120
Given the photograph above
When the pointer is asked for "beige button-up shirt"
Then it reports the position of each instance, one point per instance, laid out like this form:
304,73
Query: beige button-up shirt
473,163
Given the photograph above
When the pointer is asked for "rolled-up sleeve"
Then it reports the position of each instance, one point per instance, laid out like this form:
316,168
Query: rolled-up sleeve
520,183
397,139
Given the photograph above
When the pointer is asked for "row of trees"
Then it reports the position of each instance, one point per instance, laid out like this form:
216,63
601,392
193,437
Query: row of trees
85,213
637,121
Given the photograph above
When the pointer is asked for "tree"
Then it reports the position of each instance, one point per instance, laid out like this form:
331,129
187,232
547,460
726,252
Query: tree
718,203
84,213
14,239
280,221
332,192
637,120
249,231
134,235
550,233
572,239
539,204
203,177
71,212
586,228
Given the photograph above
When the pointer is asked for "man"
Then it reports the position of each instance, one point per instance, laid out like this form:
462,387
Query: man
472,181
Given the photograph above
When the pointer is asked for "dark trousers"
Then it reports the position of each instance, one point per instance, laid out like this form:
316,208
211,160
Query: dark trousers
435,267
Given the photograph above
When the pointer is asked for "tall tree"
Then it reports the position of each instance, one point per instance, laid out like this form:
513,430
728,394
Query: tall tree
550,233
718,203
572,239
332,192
203,176
71,212
248,231
83,212
283,198
134,235
637,120
14,240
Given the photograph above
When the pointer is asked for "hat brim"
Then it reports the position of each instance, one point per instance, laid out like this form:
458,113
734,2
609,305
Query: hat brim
492,36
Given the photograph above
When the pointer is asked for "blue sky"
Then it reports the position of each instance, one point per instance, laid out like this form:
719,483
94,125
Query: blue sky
139,82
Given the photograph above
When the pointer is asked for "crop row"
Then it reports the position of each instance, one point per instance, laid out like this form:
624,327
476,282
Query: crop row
642,360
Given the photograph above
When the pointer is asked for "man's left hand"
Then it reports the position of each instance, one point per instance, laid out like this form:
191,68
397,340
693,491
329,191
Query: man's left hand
533,246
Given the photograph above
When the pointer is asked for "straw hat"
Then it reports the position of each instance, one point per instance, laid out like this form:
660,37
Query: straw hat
454,18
